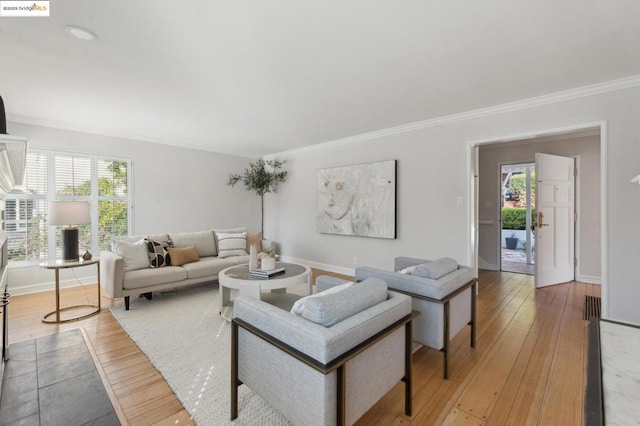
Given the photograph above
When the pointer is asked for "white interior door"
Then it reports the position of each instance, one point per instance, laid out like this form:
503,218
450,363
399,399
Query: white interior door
555,207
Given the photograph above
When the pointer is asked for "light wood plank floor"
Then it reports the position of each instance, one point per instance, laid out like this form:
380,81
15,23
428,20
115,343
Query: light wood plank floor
528,366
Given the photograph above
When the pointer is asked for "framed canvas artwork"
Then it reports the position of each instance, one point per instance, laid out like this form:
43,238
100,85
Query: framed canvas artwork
358,200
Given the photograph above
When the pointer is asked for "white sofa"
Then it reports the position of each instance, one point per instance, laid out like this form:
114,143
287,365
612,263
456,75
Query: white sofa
122,277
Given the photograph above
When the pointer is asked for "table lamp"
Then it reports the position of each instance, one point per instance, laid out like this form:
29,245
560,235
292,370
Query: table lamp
69,213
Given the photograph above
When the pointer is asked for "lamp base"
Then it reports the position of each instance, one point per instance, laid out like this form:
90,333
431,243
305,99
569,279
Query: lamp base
70,252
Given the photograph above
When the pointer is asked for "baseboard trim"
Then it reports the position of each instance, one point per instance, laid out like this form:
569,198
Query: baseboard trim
46,286
482,264
588,279
318,265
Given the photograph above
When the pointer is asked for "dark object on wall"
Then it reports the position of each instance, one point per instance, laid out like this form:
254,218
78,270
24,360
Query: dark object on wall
3,118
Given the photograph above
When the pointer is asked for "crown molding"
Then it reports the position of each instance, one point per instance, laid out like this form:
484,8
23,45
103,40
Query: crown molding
109,133
580,92
567,95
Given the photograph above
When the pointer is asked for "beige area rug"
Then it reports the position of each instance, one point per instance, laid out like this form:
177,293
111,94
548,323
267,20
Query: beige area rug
185,338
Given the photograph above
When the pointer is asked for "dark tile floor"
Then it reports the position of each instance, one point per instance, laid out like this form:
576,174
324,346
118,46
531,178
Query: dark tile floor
52,381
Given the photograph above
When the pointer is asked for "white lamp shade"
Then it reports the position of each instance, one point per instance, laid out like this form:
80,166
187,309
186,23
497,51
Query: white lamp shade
69,213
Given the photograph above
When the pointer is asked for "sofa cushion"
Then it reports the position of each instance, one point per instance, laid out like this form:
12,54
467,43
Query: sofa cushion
329,309
135,255
158,253
254,239
143,278
203,241
207,267
183,255
232,244
436,269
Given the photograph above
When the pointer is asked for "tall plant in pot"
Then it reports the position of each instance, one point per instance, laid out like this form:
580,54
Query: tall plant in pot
262,176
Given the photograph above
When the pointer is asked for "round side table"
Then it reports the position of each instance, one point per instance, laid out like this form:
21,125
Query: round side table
57,265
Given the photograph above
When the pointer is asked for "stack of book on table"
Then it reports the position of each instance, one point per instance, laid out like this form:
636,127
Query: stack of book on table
266,273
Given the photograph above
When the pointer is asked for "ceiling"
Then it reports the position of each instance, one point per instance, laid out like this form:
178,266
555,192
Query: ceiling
256,77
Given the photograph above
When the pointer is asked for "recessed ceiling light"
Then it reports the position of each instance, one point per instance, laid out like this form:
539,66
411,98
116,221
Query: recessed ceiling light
80,33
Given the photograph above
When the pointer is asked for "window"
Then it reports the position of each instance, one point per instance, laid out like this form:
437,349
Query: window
102,181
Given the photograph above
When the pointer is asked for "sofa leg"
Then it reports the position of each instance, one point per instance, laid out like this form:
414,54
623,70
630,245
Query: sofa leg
148,295
126,303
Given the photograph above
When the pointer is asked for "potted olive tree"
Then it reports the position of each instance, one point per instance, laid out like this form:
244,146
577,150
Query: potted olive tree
262,176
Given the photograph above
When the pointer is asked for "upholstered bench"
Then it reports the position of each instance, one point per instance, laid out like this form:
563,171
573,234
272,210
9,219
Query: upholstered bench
442,291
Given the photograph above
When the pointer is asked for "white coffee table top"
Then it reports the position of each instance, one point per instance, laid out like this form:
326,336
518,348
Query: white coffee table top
239,278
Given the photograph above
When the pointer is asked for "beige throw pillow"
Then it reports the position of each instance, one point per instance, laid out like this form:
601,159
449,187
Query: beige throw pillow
180,256
254,239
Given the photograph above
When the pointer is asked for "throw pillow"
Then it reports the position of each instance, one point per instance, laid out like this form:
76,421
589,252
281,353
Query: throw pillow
232,244
183,255
254,239
158,253
408,270
436,269
299,306
330,309
134,254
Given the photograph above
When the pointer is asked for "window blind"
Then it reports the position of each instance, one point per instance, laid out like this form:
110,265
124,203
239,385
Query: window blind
103,182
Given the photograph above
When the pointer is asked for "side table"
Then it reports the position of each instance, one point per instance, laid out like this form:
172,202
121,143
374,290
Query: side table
57,265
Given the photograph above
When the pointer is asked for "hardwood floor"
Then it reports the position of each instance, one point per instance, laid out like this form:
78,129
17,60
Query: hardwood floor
528,366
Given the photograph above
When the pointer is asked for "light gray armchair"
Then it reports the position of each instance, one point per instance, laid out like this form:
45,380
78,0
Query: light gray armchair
332,363
446,304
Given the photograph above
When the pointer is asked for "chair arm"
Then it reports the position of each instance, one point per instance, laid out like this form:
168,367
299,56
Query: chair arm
112,273
434,289
325,282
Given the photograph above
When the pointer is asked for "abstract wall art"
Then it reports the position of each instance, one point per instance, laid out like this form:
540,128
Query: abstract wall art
358,200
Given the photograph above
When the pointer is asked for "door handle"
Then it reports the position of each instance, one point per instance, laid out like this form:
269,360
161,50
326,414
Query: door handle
540,220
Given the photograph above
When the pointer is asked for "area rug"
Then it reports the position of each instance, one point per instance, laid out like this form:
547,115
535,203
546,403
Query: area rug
185,338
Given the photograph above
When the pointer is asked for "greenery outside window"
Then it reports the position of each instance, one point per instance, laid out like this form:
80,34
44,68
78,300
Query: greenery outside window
102,181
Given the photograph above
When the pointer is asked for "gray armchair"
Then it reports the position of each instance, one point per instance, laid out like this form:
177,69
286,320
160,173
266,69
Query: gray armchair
324,374
446,304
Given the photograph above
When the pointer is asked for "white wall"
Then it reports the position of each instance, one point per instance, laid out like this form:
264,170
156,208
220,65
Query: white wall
433,170
587,150
174,190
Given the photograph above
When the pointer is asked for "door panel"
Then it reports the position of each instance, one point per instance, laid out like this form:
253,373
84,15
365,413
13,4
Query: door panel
555,204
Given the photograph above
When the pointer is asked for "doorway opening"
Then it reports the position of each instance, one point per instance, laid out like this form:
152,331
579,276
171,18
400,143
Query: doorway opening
517,215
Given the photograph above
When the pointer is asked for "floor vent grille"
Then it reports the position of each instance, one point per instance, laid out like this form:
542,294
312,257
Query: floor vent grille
591,307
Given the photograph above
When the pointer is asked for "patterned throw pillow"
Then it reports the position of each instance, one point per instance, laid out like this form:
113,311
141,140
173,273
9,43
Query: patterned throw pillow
158,253
232,244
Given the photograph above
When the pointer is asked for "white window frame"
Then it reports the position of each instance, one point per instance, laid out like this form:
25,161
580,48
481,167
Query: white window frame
94,198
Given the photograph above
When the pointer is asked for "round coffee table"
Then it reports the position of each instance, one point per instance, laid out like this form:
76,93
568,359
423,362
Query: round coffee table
240,278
